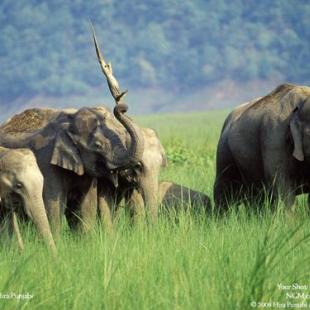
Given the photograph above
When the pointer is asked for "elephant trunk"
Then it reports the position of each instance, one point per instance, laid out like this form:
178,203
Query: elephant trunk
149,187
121,158
135,151
35,208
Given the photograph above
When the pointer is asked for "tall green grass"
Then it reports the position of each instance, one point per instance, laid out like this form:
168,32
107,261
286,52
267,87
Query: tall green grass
186,261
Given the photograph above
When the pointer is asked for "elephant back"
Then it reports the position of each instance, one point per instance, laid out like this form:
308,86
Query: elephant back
271,99
28,121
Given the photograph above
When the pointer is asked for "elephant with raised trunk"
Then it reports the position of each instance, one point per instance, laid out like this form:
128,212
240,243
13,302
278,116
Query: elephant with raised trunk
264,148
142,179
75,147
72,148
21,187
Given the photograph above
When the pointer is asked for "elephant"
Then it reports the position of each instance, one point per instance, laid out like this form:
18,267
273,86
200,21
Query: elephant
172,195
74,147
21,187
178,197
143,178
264,149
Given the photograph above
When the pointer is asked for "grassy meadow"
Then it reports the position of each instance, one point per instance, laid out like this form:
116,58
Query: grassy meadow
243,261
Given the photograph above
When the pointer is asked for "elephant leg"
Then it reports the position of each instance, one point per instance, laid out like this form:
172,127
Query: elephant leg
228,182
54,214
81,209
108,200
279,187
54,200
278,179
88,206
135,205
227,189
105,204
283,190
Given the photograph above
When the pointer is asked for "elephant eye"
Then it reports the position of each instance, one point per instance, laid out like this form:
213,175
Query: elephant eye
19,186
98,145
139,167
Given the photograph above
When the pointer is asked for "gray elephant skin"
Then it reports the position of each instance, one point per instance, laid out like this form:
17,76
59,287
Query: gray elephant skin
144,179
73,148
21,187
264,148
179,197
176,197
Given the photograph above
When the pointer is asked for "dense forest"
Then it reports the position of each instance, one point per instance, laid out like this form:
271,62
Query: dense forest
46,47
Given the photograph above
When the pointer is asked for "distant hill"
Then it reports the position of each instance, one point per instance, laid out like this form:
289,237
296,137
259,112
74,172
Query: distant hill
167,53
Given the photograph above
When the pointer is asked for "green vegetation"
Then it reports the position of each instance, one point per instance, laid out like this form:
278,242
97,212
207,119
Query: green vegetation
184,262
46,47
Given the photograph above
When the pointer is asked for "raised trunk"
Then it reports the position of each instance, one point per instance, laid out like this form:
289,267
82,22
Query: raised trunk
38,214
133,155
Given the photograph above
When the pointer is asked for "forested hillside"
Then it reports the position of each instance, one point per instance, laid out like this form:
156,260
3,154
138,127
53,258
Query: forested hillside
46,47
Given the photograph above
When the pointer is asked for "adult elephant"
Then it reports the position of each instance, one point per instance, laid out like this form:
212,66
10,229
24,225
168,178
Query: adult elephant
143,175
142,179
21,186
264,147
73,148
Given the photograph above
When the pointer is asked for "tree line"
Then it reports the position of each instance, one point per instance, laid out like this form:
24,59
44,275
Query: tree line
46,47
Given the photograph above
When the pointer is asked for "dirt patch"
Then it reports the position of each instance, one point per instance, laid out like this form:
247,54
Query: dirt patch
29,120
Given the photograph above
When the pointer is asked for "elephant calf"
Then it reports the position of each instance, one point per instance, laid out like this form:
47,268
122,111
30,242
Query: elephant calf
177,196
21,187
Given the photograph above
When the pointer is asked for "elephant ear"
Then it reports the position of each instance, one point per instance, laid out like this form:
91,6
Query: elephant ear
66,154
297,136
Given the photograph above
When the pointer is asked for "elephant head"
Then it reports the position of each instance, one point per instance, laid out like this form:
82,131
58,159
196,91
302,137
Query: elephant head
21,184
92,141
145,176
300,122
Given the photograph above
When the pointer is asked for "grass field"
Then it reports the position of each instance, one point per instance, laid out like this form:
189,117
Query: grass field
183,262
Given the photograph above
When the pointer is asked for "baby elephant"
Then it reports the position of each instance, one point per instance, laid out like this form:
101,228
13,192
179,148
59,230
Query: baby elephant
173,196
177,196
21,187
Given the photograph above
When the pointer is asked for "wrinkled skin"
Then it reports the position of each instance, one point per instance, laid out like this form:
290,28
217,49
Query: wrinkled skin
73,148
264,148
21,187
143,178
